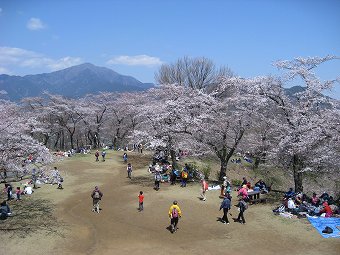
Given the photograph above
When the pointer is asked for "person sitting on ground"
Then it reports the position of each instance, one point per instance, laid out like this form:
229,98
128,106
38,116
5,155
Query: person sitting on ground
5,211
315,200
248,185
261,184
298,199
331,200
326,209
324,197
290,193
28,190
291,205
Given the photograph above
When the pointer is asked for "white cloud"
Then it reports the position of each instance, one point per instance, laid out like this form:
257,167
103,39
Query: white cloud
139,60
17,57
35,24
4,70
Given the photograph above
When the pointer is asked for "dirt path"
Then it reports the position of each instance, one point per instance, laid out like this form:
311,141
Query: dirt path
121,229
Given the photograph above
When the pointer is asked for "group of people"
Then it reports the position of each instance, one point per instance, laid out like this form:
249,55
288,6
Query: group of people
300,203
97,154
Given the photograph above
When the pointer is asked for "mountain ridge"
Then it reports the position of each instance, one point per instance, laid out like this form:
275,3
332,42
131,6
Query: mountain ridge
75,81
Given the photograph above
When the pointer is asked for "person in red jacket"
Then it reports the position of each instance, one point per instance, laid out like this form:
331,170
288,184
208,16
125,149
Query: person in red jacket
327,210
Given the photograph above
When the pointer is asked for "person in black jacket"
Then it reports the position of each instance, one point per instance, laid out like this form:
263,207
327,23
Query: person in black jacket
225,205
242,205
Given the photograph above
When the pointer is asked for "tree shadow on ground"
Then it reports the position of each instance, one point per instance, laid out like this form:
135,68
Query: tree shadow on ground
31,215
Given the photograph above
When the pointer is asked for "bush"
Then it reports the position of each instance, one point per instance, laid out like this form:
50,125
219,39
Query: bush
236,182
206,170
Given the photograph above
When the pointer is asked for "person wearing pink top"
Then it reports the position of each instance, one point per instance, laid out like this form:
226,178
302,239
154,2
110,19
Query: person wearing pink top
243,192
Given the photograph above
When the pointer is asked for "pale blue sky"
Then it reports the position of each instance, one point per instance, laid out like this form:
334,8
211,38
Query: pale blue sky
133,37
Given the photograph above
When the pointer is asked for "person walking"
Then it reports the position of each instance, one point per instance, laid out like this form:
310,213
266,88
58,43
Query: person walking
141,201
242,206
9,190
174,214
97,155
125,157
204,188
158,178
225,205
96,197
184,177
103,155
129,170
223,186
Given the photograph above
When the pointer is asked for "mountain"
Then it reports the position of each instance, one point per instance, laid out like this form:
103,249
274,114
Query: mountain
75,81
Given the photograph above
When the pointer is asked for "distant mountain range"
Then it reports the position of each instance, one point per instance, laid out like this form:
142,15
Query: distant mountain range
75,82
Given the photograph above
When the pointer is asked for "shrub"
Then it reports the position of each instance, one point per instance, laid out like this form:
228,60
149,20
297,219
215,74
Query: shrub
206,170
236,182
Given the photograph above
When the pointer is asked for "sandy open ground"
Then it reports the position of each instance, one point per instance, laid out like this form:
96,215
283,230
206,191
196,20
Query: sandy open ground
121,229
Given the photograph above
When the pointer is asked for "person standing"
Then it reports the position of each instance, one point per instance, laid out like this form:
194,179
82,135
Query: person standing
204,188
9,190
141,201
125,157
97,155
223,186
242,206
174,214
96,197
225,205
129,170
103,155
158,178
184,177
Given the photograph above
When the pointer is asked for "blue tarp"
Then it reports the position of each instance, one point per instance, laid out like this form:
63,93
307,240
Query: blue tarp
320,223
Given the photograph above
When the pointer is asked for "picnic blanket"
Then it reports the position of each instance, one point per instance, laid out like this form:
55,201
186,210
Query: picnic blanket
320,223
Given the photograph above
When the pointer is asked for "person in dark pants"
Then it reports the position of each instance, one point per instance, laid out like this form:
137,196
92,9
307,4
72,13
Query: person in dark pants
174,214
9,190
225,205
242,205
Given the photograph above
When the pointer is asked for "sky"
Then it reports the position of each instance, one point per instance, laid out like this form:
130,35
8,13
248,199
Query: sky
135,37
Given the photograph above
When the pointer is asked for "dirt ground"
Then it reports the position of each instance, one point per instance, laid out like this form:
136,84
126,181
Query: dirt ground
120,229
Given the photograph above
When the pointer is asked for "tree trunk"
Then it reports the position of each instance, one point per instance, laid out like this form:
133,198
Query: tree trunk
223,170
173,157
297,174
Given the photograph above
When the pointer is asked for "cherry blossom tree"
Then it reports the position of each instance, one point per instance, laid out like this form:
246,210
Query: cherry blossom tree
306,123
17,143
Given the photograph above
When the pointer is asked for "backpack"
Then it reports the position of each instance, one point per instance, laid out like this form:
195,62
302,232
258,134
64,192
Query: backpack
96,195
245,205
174,213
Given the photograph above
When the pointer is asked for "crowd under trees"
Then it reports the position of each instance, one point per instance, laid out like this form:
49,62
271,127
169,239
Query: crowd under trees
196,107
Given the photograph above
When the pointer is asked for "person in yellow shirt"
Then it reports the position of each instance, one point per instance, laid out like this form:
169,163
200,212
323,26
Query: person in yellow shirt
174,213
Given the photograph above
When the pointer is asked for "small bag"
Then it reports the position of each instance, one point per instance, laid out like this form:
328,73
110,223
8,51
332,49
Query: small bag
327,230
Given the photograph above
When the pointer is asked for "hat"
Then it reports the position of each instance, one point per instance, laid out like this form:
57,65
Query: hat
224,177
244,186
